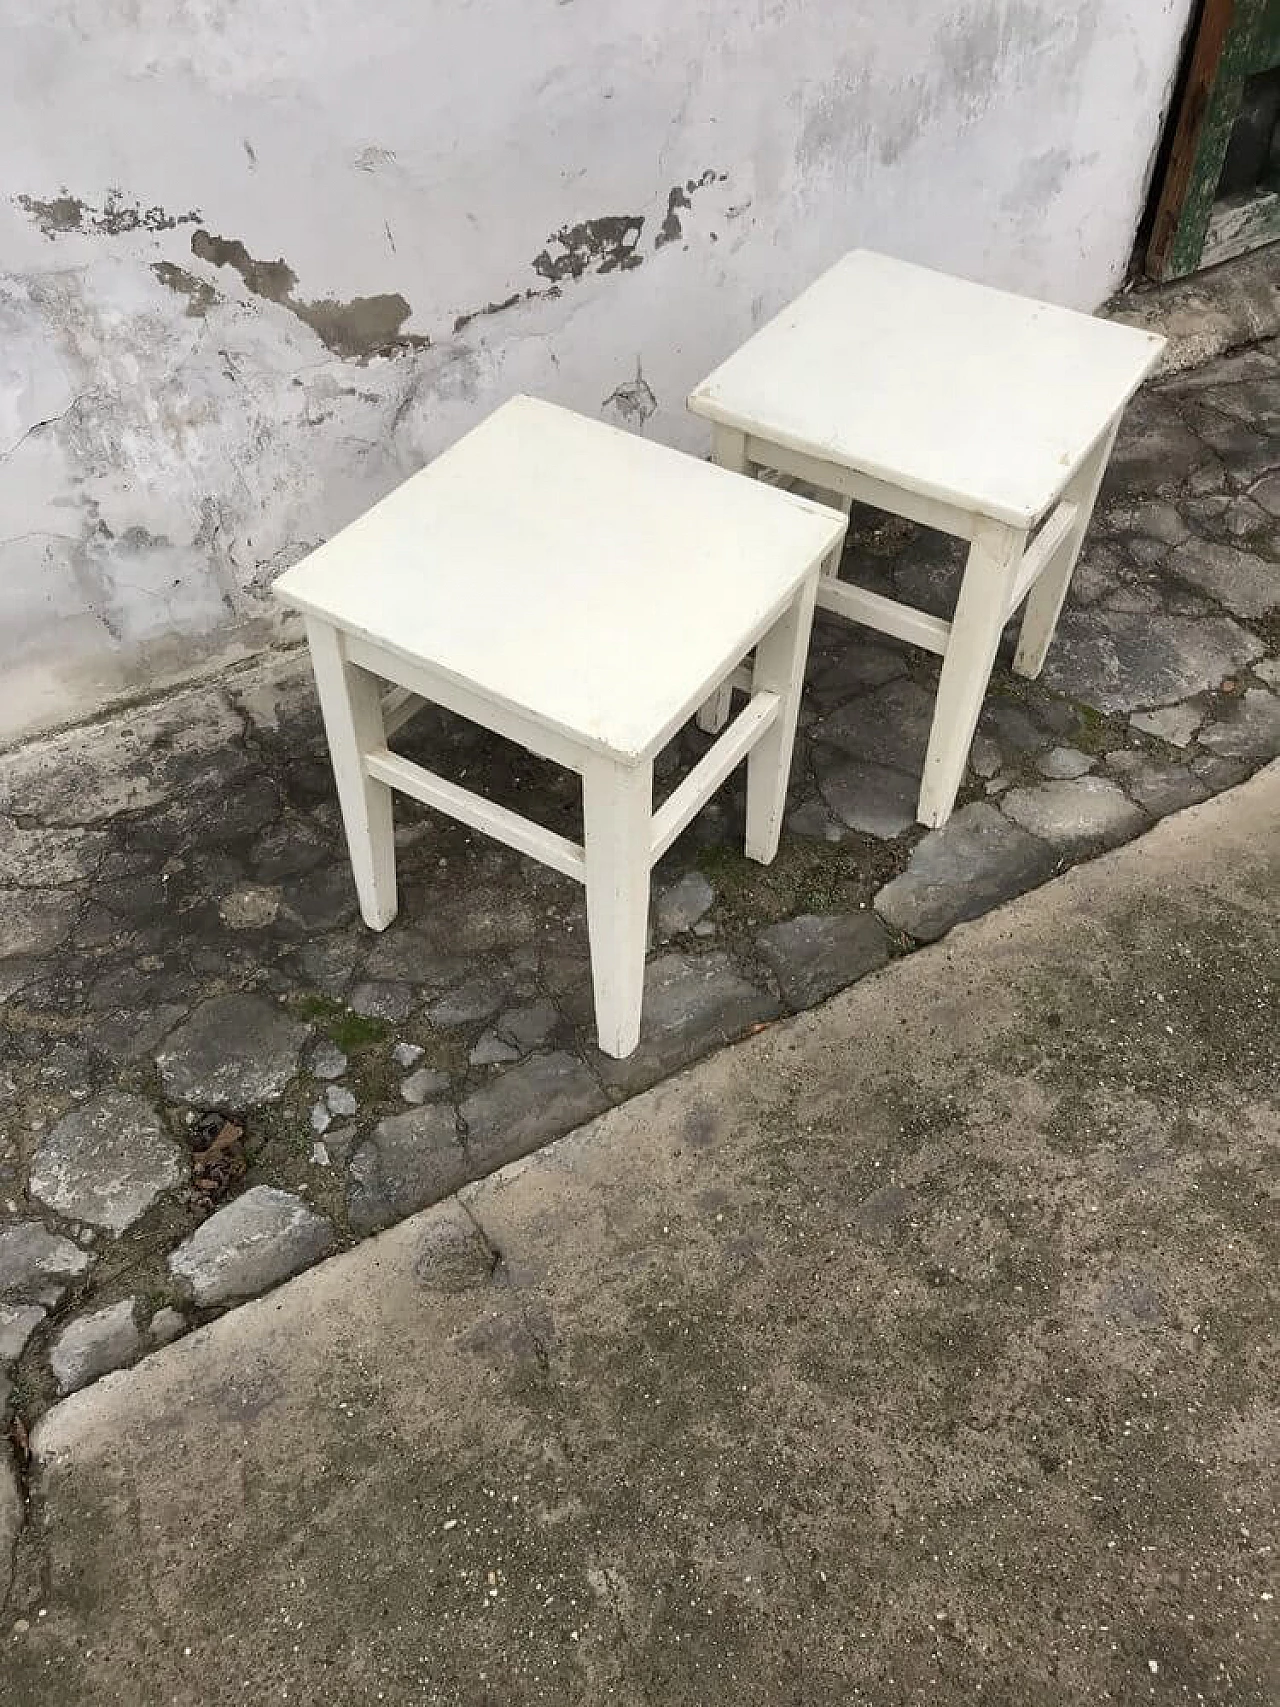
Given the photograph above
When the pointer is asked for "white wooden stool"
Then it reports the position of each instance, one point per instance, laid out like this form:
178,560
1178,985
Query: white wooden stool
982,414
580,591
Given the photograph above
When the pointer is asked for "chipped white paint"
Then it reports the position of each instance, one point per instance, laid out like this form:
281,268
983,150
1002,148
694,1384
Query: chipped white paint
171,436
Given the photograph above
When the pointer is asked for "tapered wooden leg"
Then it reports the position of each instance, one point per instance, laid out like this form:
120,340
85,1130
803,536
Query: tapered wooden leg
1045,600
618,822
728,450
779,668
351,705
980,615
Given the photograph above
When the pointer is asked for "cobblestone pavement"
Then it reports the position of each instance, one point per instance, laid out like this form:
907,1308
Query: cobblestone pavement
211,1075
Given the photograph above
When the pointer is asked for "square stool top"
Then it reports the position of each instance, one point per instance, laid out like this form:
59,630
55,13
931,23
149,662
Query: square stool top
978,398
592,581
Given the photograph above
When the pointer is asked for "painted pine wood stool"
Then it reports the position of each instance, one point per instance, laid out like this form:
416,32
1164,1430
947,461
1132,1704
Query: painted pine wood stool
985,415
580,591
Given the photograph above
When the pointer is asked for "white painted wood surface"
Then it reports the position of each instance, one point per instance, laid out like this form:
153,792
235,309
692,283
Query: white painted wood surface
951,390
575,573
636,621
351,706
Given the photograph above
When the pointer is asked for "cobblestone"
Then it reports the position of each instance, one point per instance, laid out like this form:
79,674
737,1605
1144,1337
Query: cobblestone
255,1242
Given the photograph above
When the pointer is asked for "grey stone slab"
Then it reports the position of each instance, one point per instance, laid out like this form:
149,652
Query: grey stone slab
975,861
12,1511
1269,670
107,1162
326,1061
854,666
38,858
423,1085
888,726
522,1108
254,1242
381,999
340,1100
34,921
165,1326
1117,661
813,823
1133,600
17,1324
1176,724
864,796
929,572
131,761
37,1266
249,906
816,954
1150,518
1266,493
1089,812
474,999
409,1161
1155,451
1249,586
492,1051
330,962
985,757
683,903
530,1026
234,1050
691,1005
1158,786
128,1035
1219,773
95,1344
320,900
1246,728
1063,764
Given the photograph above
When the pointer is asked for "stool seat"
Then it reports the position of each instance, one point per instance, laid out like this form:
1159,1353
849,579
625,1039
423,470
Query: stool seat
985,415
958,392
580,576
581,591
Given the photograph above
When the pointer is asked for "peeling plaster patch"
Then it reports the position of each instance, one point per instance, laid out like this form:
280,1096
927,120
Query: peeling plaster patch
199,293
358,330
680,196
634,402
607,244
114,218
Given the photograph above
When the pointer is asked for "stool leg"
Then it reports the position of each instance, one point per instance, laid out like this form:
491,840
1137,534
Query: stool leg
1045,600
980,615
728,450
617,804
351,705
779,668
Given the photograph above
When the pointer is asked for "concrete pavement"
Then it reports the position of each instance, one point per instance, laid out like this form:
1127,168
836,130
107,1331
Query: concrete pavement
920,1349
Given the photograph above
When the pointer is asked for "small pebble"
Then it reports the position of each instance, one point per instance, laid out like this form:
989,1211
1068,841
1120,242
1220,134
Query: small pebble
406,1054
340,1099
320,1117
327,1061
319,1154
